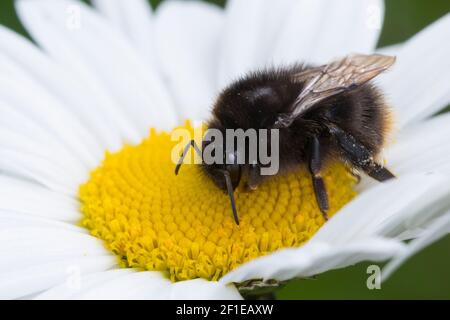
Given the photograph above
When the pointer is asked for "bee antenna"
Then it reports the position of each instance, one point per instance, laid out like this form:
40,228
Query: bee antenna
226,174
185,151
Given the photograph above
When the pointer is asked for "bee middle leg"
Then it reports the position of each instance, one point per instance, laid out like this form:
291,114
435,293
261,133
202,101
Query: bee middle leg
315,168
254,177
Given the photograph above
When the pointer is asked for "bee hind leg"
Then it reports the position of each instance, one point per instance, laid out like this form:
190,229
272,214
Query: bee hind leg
359,155
378,172
315,168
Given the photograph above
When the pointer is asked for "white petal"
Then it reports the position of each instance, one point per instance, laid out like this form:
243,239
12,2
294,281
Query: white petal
187,37
297,37
136,285
419,148
65,291
29,280
200,289
318,31
135,19
391,50
251,28
26,246
423,147
350,26
437,230
61,163
101,56
41,139
13,220
28,147
20,59
153,285
27,198
314,258
389,209
38,169
45,109
419,84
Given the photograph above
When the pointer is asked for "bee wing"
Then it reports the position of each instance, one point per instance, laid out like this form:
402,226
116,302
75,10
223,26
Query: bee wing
334,78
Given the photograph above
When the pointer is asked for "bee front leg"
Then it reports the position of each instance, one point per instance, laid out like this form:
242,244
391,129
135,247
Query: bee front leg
191,143
315,168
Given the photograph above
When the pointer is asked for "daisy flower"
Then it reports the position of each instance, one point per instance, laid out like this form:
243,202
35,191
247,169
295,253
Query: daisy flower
90,207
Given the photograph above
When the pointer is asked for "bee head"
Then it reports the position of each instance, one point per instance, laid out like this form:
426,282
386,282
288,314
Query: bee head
226,175
229,167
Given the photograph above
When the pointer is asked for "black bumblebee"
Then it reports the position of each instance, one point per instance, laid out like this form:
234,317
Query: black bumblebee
322,113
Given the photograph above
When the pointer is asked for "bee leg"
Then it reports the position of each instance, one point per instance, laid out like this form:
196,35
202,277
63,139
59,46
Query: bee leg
359,155
185,151
377,171
254,177
315,167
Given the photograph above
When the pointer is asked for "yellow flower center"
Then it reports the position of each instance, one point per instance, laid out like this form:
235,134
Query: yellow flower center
183,225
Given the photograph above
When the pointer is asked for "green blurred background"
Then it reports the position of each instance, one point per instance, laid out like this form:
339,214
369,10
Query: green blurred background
426,275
